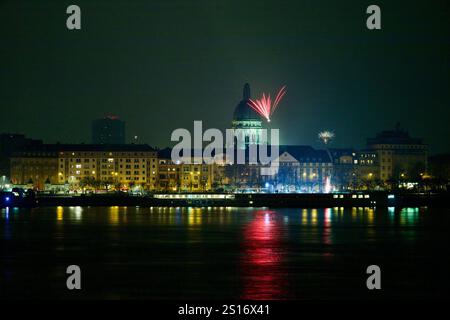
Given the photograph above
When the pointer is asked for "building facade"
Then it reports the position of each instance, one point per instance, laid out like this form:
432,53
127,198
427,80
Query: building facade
121,167
366,170
87,166
400,156
34,168
185,176
11,143
343,162
301,169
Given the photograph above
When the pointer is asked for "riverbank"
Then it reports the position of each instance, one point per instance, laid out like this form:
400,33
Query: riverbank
368,199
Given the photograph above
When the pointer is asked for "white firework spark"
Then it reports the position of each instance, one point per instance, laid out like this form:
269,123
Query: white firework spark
326,136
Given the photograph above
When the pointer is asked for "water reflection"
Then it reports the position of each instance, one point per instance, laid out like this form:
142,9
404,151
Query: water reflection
194,216
7,234
409,216
327,220
370,215
262,257
75,214
59,214
314,216
205,252
304,215
327,230
113,215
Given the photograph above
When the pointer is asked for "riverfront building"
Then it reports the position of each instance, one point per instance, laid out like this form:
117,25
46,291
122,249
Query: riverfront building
302,169
393,158
86,166
10,143
184,176
400,157
36,167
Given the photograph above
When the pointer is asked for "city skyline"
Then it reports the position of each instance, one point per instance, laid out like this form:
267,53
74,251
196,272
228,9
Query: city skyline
210,157
163,62
317,143
391,159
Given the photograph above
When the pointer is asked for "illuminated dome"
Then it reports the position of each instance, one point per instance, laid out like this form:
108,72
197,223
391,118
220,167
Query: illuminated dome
243,111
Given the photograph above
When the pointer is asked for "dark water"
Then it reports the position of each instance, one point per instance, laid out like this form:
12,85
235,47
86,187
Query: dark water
219,253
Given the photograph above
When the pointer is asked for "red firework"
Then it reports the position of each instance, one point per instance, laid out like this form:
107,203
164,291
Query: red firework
264,106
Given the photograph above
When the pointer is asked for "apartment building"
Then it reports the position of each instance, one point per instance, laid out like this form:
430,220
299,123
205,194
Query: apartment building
87,165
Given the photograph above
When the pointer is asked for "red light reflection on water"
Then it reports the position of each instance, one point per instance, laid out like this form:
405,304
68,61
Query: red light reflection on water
326,238
262,254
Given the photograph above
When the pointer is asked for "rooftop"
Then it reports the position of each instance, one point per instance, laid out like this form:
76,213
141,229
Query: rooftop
396,136
243,112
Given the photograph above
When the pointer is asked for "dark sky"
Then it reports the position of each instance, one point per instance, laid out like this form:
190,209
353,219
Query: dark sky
160,64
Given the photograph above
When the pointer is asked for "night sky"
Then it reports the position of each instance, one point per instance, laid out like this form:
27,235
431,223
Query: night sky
161,64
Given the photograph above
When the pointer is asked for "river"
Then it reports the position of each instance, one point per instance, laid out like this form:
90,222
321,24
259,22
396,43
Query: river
223,252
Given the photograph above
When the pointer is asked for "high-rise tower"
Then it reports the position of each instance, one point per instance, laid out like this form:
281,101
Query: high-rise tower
109,130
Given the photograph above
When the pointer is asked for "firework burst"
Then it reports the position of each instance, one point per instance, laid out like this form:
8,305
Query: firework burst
265,106
326,136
